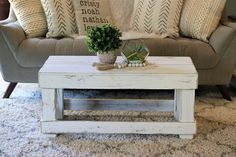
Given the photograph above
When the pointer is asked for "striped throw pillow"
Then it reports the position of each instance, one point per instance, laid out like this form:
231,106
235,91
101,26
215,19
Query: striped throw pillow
159,17
60,17
200,18
31,17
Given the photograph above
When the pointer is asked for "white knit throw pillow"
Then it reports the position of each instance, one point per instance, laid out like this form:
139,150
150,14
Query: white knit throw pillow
31,17
201,17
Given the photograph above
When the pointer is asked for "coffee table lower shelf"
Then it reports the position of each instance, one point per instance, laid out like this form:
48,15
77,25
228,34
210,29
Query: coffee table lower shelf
182,106
185,130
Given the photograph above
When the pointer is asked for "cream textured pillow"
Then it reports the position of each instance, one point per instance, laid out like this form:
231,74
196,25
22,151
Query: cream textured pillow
31,17
160,17
201,17
91,13
60,17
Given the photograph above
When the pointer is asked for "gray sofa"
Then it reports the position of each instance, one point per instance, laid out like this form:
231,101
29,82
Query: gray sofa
21,58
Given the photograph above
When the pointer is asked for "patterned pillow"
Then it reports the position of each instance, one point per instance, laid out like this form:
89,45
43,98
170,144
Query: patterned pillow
157,16
31,17
200,18
91,13
60,17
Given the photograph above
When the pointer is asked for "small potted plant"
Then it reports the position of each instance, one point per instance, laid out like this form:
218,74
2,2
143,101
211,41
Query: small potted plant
103,41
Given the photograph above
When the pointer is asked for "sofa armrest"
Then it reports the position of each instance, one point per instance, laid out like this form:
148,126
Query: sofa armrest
230,24
223,38
6,21
13,34
11,18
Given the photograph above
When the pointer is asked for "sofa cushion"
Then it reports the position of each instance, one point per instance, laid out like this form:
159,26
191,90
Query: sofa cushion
34,52
202,54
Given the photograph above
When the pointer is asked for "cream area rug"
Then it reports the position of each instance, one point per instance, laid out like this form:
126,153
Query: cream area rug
20,128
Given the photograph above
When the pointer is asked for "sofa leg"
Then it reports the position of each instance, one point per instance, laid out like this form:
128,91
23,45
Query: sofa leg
9,90
224,92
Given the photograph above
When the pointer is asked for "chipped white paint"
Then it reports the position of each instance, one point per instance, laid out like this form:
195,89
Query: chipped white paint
49,105
177,73
60,103
118,127
77,72
185,111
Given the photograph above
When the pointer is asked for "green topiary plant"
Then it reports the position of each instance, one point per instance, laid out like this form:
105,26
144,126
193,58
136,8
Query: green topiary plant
103,39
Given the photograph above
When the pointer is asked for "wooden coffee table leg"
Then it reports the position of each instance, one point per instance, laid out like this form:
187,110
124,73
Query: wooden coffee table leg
184,108
175,106
60,104
52,107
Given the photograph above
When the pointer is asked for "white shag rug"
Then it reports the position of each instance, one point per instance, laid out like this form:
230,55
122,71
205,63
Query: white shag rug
20,129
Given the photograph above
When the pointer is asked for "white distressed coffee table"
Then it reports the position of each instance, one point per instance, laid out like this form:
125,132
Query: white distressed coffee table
70,72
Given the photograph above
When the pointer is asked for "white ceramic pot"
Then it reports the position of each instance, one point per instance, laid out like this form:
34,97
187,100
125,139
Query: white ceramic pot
107,58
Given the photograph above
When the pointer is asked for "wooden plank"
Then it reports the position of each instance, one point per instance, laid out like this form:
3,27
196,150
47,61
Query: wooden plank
90,59
90,70
186,136
71,73
60,103
118,127
53,106
82,64
84,81
185,105
175,105
49,112
119,104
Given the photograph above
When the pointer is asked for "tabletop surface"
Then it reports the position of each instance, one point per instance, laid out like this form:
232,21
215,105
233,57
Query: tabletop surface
83,65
